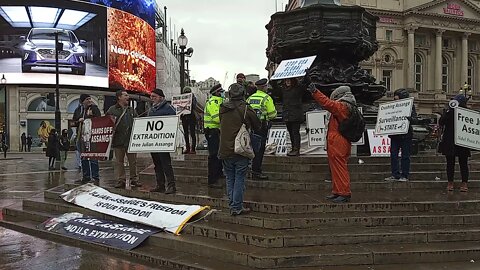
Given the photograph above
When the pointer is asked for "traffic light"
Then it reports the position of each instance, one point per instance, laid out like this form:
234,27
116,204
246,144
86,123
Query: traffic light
51,99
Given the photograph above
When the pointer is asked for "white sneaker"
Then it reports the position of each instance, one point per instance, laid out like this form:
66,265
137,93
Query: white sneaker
402,179
390,178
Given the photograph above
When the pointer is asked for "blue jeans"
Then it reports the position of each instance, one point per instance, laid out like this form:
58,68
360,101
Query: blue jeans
90,170
405,144
235,170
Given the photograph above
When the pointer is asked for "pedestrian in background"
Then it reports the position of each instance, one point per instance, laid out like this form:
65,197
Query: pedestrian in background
401,143
64,144
53,151
338,147
29,142
23,140
211,121
292,112
448,148
233,114
4,143
164,175
263,106
124,115
189,123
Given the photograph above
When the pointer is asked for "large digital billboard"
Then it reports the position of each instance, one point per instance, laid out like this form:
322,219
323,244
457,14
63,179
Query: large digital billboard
101,44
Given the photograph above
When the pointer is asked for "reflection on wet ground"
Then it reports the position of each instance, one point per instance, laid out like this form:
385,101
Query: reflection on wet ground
28,177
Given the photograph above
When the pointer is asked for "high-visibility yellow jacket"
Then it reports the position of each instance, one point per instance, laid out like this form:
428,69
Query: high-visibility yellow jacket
211,117
263,103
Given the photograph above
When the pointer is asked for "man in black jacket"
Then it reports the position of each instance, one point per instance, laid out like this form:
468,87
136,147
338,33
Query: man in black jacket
87,109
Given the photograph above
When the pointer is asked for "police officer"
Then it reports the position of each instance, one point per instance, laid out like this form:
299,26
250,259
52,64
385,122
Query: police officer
211,124
263,105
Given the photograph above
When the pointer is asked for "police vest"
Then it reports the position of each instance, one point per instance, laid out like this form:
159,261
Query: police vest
263,105
211,117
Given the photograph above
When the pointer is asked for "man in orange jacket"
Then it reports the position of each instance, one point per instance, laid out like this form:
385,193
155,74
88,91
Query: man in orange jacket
338,147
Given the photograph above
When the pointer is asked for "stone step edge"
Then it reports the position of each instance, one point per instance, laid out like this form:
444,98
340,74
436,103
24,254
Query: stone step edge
363,257
286,208
182,262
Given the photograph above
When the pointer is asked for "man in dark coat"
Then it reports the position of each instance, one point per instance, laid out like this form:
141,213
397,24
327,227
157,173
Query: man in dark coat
233,114
292,113
448,148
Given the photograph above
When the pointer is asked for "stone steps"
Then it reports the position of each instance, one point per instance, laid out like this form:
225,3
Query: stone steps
244,255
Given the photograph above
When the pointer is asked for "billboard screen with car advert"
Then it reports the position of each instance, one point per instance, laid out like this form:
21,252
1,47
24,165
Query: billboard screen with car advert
101,43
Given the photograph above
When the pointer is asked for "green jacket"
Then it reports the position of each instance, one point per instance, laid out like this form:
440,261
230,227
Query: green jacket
211,117
262,103
123,129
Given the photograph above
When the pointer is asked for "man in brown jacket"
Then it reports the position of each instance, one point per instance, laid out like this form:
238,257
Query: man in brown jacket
233,114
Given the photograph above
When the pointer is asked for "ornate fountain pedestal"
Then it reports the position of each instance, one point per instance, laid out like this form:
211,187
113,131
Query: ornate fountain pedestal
340,36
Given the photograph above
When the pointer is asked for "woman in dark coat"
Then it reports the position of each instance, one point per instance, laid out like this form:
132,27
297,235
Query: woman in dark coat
448,148
293,116
53,151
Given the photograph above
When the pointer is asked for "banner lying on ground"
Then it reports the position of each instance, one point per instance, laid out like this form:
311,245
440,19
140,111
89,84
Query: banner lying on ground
292,68
97,137
392,117
467,128
168,217
106,232
182,104
154,134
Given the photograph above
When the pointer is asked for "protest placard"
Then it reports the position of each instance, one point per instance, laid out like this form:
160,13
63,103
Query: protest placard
278,137
106,232
169,217
154,134
292,68
379,144
317,122
182,103
392,117
96,137
467,128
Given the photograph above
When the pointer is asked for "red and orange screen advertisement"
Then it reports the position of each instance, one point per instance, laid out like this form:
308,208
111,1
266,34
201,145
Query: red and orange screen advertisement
131,49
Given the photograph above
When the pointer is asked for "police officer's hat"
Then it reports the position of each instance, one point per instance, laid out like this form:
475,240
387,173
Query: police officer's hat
261,82
215,88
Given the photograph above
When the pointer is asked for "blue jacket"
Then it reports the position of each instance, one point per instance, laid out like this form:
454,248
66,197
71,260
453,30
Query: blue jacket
164,108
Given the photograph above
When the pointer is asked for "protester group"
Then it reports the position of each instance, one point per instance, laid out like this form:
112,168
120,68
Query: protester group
249,105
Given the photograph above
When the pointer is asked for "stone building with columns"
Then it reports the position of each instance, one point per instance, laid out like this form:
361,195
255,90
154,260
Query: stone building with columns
431,47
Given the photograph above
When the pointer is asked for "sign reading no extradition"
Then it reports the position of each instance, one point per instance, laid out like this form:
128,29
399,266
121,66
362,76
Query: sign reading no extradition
154,134
182,104
293,68
317,127
392,117
467,128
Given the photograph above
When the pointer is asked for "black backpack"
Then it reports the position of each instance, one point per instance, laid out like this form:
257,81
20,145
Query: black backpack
353,127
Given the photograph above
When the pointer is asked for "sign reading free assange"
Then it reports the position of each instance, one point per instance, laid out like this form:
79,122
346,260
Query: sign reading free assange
106,232
154,134
467,128
169,217
392,117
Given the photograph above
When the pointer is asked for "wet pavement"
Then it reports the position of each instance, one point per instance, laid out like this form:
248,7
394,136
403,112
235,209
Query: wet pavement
26,176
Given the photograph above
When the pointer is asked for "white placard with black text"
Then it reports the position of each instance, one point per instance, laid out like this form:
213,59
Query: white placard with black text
154,134
278,136
467,128
182,104
379,144
317,122
392,117
292,68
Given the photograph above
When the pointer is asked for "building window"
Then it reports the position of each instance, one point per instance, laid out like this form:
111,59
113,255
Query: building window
470,74
389,35
418,72
420,40
387,58
369,71
445,71
446,43
387,79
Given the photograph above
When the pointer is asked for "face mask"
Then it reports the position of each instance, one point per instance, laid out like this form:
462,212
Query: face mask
222,94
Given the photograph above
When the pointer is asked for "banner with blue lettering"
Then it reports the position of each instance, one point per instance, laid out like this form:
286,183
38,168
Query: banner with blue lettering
106,232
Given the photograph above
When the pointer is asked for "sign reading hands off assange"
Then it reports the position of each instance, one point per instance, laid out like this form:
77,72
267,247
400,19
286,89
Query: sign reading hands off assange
467,128
154,134
392,117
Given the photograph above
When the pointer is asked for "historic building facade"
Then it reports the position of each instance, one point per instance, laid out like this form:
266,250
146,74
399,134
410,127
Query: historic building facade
431,47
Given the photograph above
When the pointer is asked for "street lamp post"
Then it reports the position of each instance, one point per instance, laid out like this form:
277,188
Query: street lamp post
182,42
466,90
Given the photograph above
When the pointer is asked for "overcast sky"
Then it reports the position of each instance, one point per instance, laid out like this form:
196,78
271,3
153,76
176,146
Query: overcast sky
226,35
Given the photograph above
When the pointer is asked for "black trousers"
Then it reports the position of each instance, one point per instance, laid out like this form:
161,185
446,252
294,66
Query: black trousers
163,170
294,132
215,167
463,162
188,124
258,159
